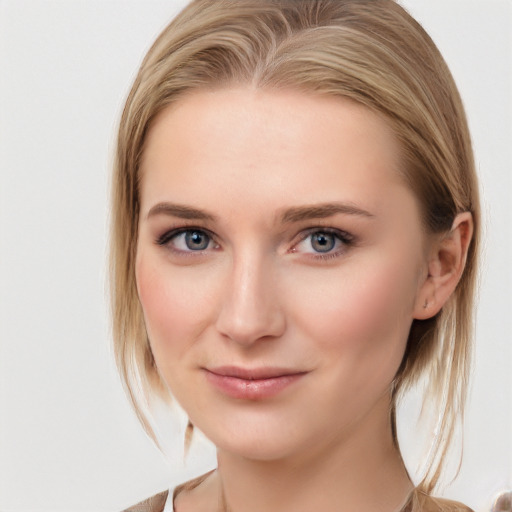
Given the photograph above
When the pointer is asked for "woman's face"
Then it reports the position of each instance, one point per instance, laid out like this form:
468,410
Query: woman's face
279,266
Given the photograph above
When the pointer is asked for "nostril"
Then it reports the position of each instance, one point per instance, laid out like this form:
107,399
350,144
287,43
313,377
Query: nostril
248,324
251,308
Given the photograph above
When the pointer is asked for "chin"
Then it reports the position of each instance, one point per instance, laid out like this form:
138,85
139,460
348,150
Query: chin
261,450
264,440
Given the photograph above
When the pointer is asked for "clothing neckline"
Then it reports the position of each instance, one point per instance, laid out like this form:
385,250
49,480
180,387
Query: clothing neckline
192,484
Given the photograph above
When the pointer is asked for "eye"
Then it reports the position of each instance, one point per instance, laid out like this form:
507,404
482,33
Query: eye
323,243
187,240
195,240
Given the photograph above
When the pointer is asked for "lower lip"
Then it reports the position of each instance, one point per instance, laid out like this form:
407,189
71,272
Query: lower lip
257,389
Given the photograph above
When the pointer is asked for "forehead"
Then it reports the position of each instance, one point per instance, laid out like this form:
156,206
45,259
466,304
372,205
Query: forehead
271,146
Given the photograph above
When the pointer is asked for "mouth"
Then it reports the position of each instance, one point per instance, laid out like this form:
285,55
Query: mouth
252,383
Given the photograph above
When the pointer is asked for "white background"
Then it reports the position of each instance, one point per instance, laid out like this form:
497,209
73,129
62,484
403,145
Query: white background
68,440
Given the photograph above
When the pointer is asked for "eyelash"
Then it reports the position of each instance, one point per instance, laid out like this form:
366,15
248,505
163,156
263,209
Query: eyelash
165,239
346,240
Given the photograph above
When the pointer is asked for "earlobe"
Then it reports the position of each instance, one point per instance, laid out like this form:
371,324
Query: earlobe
445,266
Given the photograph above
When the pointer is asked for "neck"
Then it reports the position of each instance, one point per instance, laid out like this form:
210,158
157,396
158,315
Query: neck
361,470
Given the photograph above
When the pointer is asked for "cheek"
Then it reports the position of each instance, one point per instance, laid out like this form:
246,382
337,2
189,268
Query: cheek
170,306
361,318
382,303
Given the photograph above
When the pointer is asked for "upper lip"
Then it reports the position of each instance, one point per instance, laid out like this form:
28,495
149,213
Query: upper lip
264,372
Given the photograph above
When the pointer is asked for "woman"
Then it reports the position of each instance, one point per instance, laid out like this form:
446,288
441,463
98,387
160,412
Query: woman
295,231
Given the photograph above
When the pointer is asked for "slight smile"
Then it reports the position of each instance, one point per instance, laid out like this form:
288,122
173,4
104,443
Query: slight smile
251,384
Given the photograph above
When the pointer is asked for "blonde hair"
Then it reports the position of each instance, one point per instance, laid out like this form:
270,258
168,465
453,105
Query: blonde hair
371,51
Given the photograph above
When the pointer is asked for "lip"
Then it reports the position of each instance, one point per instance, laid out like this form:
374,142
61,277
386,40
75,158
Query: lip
252,383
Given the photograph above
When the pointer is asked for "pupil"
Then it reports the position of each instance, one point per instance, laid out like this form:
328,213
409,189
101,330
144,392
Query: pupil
196,240
322,242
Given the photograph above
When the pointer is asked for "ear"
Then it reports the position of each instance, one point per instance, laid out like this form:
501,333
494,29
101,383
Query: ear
446,263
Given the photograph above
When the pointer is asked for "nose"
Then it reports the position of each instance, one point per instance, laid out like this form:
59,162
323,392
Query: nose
251,309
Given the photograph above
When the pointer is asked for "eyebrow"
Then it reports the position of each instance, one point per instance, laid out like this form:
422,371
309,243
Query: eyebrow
180,211
322,211
289,215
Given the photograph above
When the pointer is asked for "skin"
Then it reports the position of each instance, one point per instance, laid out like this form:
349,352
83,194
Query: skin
260,294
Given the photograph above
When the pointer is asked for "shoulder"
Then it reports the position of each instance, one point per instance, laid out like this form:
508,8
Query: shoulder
155,503
193,496
424,503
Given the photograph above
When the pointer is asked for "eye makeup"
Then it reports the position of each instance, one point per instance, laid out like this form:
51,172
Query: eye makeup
318,243
324,243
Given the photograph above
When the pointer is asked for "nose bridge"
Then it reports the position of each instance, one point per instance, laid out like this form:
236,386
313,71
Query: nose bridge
251,308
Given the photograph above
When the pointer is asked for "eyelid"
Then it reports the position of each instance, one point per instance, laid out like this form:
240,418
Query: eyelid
346,239
168,235
343,235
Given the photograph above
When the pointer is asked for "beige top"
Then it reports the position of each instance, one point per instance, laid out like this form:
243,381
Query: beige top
419,501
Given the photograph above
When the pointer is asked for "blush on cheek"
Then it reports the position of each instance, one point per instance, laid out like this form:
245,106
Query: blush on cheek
176,307
161,311
152,294
361,315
